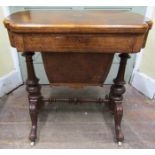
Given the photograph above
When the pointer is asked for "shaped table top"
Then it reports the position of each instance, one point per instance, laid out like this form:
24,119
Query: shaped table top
77,21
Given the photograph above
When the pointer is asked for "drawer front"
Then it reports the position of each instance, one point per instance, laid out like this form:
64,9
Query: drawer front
83,43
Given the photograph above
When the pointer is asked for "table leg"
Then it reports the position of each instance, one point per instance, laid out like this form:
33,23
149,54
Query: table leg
34,95
116,96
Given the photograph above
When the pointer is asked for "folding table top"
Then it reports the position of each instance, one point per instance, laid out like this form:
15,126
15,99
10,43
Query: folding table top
77,21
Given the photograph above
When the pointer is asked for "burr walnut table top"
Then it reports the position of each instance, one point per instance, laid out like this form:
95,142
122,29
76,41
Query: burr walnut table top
77,21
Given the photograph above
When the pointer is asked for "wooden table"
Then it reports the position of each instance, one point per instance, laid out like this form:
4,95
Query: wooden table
77,48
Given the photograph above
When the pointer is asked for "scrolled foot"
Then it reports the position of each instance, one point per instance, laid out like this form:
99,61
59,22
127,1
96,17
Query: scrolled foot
33,134
118,117
119,135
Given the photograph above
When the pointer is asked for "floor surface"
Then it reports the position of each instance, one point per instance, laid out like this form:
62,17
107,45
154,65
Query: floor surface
63,125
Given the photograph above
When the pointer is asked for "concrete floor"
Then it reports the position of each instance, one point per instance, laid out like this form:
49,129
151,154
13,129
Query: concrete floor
77,126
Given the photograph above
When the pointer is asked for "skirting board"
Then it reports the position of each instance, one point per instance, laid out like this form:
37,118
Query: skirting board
144,84
9,82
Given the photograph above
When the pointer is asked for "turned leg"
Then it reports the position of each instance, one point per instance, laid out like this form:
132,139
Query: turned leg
116,96
34,95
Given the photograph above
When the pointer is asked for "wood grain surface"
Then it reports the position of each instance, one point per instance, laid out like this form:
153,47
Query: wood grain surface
82,21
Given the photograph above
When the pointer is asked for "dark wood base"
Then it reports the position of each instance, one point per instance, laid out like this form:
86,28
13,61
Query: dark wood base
34,95
114,99
75,100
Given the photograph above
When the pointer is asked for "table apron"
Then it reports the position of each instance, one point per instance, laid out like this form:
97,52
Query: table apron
99,43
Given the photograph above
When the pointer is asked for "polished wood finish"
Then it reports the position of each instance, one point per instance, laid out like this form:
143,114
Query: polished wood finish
34,95
77,69
77,49
107,43
116,96
77,31
75,100
80,21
